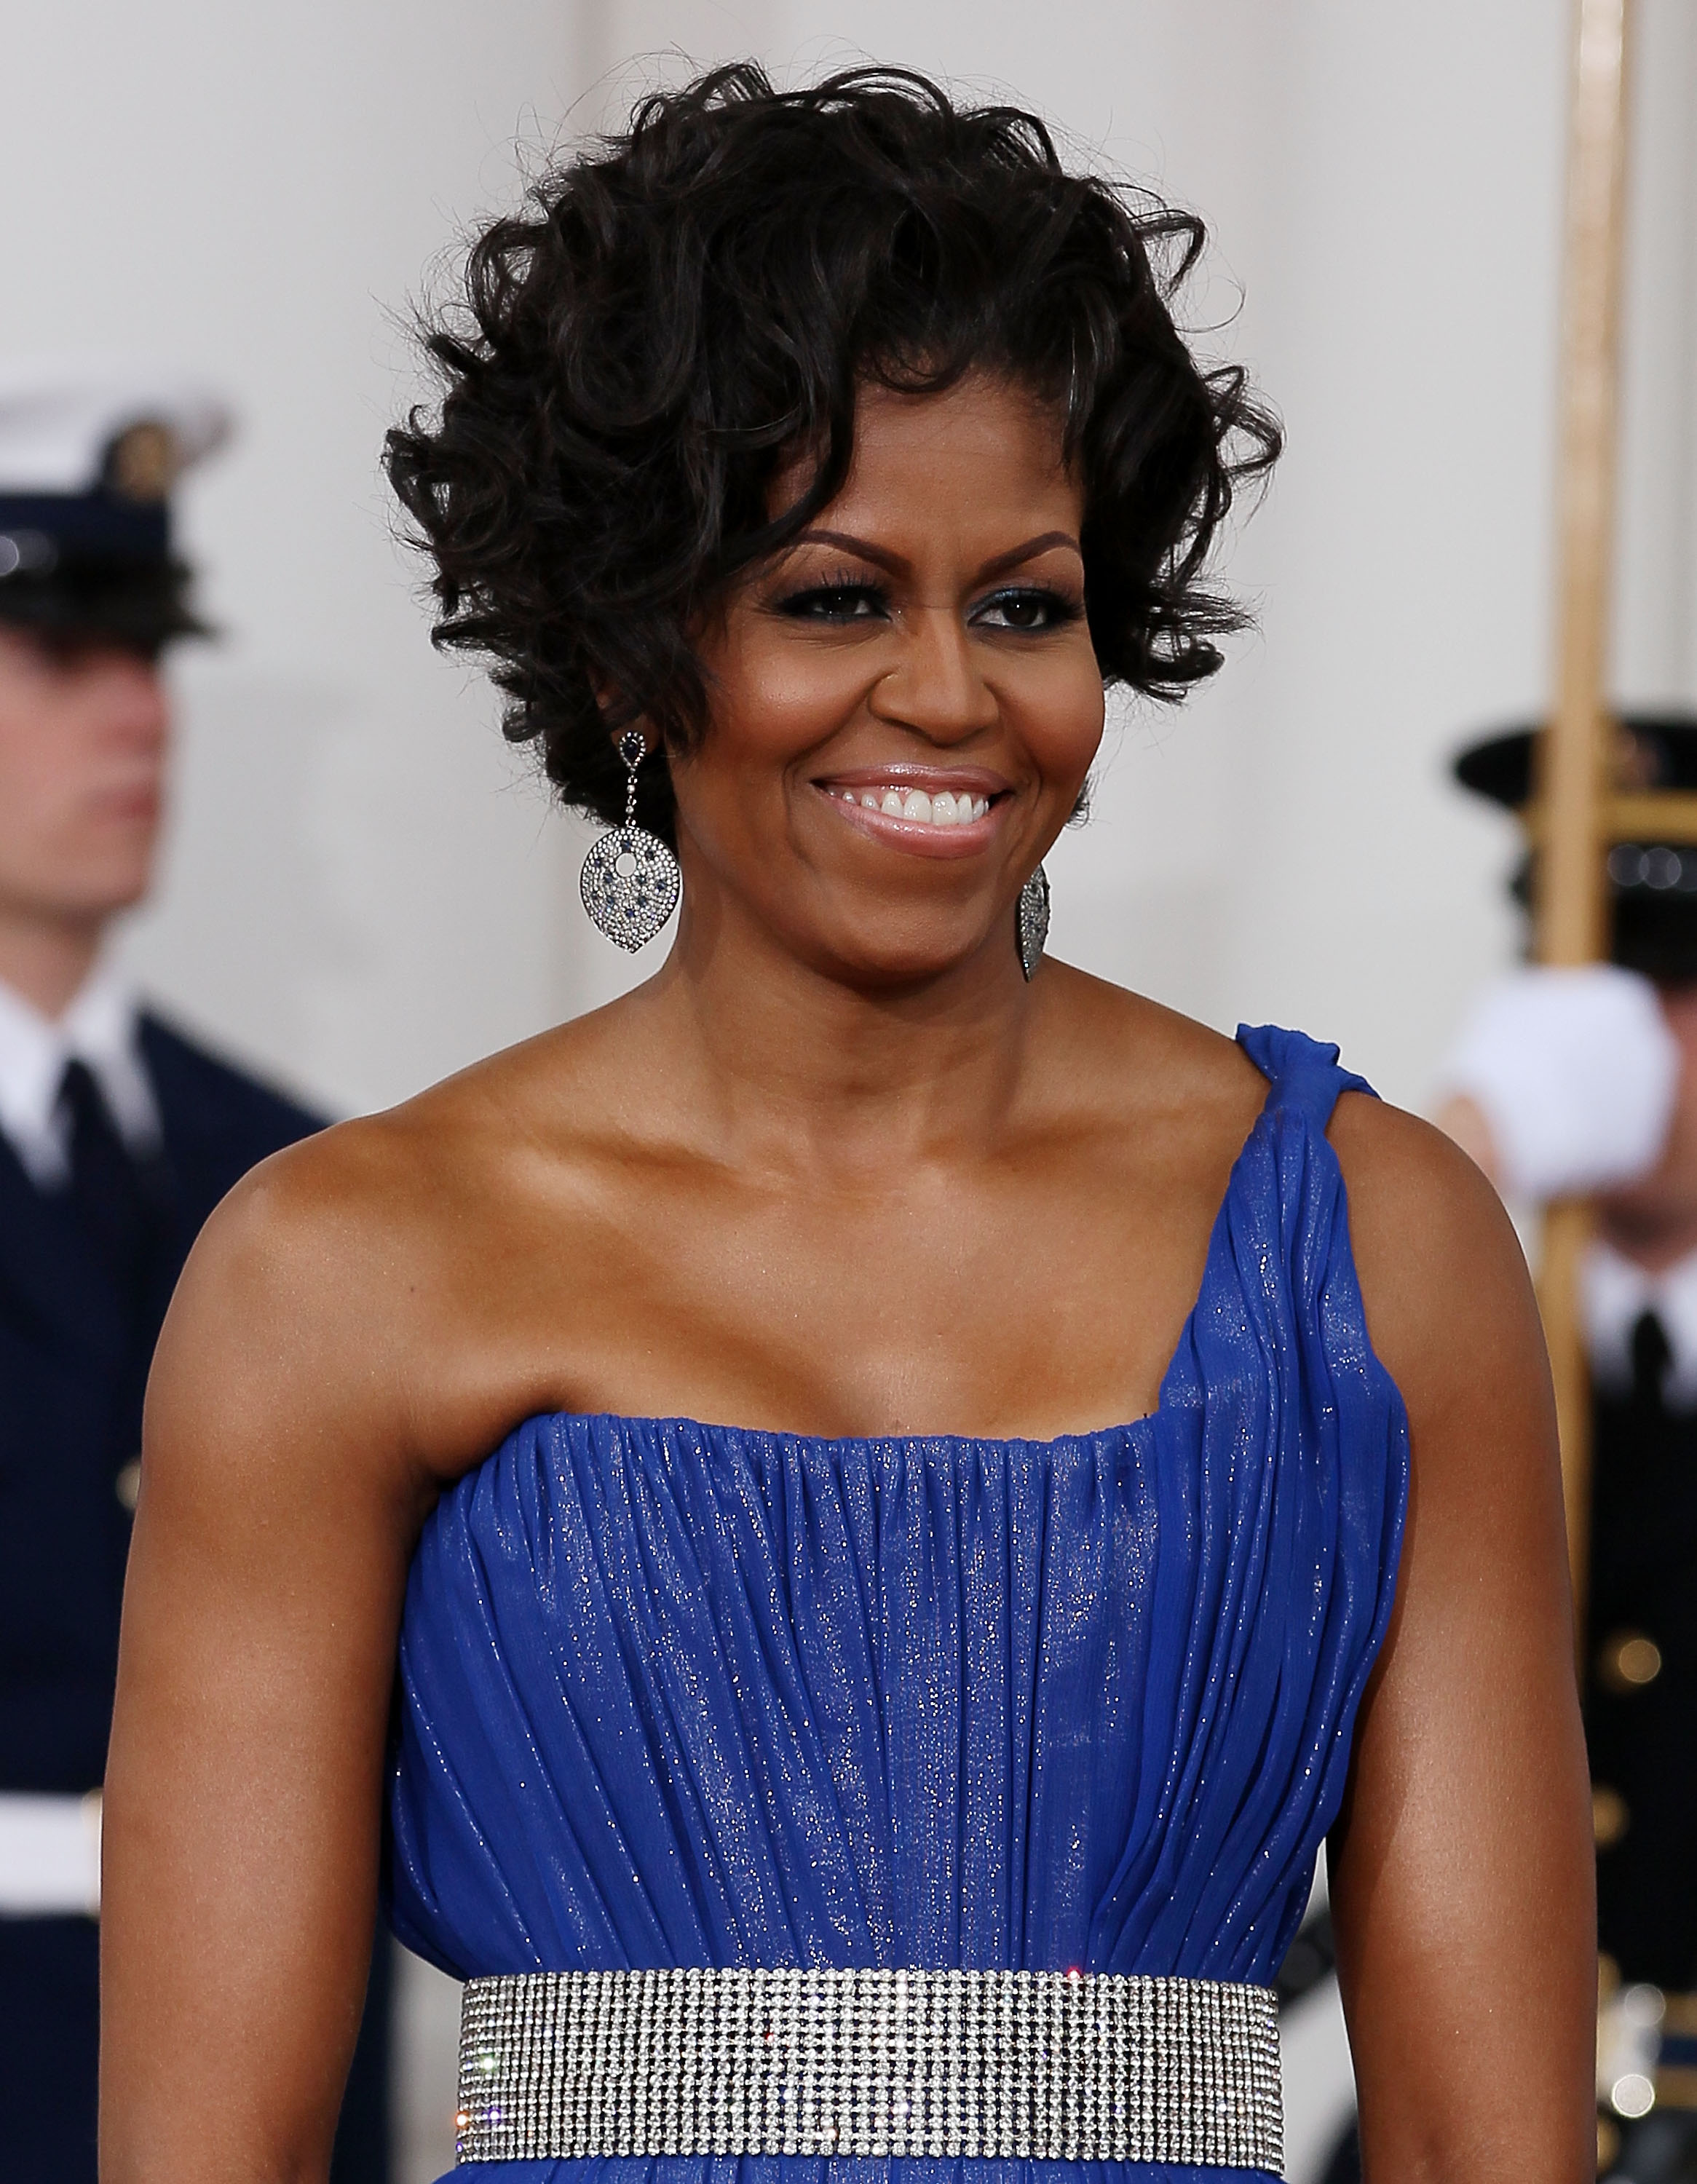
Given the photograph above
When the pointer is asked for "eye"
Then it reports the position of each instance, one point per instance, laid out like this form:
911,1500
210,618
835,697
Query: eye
835,603
1027,607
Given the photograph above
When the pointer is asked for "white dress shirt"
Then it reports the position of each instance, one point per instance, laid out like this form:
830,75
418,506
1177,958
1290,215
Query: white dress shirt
99,1029
1617,1294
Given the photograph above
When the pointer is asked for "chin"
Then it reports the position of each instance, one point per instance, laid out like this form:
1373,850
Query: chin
121,864
903,960
110,888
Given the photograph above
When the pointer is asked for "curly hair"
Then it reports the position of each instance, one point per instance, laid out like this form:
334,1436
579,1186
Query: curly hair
670,322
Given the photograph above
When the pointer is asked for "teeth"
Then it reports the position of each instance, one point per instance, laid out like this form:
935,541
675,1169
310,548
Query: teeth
945,809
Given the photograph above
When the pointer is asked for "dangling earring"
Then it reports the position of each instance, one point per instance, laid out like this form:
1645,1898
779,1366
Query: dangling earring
630,881
1031,927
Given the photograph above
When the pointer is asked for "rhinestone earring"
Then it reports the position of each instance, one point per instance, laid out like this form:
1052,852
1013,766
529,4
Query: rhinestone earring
1031,927
630,881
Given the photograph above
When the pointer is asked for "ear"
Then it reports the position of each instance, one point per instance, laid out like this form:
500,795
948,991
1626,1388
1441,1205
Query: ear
617,719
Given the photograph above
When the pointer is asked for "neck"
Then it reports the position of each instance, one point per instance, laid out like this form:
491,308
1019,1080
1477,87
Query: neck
46,960
799,1066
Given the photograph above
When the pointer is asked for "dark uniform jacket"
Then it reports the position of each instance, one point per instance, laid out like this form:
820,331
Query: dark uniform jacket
1641,1700
73,1365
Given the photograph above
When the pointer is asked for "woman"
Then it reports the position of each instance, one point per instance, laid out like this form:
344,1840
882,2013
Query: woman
820,457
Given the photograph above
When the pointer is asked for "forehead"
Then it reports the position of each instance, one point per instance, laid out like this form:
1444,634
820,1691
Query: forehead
982,456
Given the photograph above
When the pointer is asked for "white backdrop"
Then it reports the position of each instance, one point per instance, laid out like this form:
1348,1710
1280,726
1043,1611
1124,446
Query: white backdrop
1384,189
356,894
364,888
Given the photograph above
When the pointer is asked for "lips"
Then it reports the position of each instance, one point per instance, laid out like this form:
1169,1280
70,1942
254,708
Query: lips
138,803
935,811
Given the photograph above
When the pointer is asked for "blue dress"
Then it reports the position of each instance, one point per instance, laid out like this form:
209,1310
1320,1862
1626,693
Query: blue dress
685,1694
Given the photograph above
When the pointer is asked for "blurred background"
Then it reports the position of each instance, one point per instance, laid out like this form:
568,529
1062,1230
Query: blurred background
365,889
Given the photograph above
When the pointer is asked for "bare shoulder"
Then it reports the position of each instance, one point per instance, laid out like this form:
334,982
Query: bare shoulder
1448,1297
1449,1300
352,1203
288,1331
1400,1168
348,1292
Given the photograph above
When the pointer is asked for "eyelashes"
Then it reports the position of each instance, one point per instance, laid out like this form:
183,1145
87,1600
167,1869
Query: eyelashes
1047,610
847,598
840,597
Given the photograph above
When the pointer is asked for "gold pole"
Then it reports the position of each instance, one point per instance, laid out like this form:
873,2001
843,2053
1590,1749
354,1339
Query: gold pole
1572,759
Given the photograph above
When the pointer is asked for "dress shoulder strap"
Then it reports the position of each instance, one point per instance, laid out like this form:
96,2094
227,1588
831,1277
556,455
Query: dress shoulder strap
1302,1073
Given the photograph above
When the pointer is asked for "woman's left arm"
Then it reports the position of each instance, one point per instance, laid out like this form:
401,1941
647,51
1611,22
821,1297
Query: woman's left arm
1462,1869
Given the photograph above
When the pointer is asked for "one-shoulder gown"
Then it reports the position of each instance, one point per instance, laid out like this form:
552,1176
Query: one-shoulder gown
678,1694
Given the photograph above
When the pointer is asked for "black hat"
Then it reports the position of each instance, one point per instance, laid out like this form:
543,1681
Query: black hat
1653,885
88,456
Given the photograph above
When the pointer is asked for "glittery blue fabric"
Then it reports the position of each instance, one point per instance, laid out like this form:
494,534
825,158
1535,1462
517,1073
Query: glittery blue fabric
679,1693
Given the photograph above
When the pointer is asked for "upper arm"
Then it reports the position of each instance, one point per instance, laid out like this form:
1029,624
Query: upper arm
1462,1876
243,1789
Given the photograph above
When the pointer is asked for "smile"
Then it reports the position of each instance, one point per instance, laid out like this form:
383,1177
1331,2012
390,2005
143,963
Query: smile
928,812
945,809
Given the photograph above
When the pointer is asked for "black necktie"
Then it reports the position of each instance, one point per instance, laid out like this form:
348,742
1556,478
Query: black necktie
1651,1356
109,1194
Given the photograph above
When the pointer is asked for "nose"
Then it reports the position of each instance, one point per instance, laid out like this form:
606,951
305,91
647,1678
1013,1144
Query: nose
131,697
935,686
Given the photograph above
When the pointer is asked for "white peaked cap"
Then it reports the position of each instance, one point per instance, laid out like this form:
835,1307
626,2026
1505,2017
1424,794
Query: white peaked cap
59,416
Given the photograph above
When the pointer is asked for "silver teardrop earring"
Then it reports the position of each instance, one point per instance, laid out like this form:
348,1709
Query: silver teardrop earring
630,881
1031,927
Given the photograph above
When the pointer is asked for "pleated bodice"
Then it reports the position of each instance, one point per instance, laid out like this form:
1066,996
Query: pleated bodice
678,1694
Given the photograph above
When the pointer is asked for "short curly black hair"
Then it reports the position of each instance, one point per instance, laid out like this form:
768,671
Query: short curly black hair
671,320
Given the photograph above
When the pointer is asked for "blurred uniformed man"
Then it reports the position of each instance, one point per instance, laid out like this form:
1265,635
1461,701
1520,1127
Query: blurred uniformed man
1584,1082
118,1136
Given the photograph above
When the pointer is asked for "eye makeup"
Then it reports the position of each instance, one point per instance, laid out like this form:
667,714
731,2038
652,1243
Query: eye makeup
842,596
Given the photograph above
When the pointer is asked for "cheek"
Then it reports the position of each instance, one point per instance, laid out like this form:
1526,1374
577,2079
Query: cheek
34,781
1060,716
773,702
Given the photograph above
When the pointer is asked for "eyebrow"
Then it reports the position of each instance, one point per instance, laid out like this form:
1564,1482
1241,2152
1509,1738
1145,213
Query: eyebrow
898,566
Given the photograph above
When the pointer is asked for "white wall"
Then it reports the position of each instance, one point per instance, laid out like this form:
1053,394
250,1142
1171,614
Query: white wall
365,889
1656,624
1385,184
355,893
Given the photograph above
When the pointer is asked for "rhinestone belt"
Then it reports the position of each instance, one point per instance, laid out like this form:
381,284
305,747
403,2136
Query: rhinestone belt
1038,2066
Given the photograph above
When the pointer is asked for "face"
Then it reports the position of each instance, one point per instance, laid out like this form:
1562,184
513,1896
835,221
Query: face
906,703
82,753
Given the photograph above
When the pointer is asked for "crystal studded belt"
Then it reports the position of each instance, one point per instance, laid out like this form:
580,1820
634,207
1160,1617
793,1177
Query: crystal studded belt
1039,2066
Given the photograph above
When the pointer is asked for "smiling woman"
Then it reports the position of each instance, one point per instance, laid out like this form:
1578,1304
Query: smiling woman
905,701
659,339
910,1490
